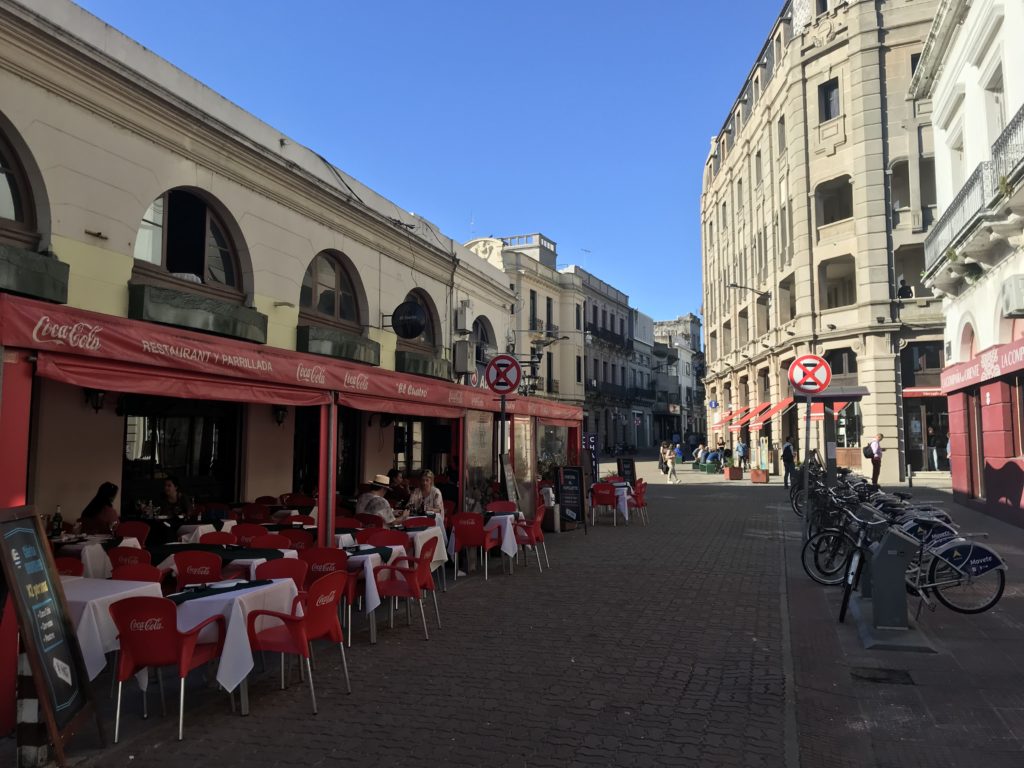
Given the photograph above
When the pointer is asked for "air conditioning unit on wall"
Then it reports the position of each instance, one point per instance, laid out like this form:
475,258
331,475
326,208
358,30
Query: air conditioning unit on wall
1011,296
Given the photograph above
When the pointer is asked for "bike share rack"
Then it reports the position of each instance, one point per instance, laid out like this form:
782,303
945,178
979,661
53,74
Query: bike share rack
879,609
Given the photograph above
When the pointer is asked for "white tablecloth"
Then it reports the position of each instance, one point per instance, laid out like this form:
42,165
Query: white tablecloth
193,532
623,493
371,597
88,603
94,556
236,661
418,539
503,523
251,564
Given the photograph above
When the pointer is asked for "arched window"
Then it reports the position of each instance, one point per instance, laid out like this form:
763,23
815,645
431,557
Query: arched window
483,338
429,335
329,292
182,234
17,210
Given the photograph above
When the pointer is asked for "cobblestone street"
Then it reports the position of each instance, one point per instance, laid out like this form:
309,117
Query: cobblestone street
663,645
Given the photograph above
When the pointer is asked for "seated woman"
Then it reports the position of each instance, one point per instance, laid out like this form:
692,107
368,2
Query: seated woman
173,502
99,516
372,501
426,498
397,493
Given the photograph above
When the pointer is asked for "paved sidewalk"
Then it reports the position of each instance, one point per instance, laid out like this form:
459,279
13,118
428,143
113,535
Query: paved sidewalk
696,641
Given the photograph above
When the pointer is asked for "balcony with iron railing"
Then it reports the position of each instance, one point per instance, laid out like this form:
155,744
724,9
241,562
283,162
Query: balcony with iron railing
552,386
971,200
642,394
609,336
536,324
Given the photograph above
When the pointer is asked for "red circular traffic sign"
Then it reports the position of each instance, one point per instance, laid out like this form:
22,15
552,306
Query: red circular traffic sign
810,375
503,374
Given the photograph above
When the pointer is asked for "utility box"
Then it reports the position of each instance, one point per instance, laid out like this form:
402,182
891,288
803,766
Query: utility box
465,358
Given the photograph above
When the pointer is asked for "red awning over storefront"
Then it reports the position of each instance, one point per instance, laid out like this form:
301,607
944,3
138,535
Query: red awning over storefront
818,410
399,407
160,351
751,414
922,392
126,377
550,422
767,416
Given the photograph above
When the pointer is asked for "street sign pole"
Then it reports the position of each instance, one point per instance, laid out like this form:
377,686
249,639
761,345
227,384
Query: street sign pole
807,455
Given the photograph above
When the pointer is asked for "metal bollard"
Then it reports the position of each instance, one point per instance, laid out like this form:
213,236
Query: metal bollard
910,476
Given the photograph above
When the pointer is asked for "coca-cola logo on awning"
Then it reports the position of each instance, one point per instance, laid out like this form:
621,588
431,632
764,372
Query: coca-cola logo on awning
154,624
358,381
84,336
311,374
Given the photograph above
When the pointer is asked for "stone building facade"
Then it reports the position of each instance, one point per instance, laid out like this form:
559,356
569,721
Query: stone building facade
818,193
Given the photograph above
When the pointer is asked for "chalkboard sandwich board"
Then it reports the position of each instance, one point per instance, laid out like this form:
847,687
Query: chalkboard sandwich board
572,493
511,486
48,637
627,469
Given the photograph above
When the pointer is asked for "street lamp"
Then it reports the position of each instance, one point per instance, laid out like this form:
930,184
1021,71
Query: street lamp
767,294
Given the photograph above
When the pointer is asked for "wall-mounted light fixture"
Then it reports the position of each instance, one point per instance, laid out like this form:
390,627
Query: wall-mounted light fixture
280,413
94,398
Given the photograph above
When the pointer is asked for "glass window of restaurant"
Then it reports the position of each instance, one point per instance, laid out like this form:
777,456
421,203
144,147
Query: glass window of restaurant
523,459
552,444
479,460
195,441
423,444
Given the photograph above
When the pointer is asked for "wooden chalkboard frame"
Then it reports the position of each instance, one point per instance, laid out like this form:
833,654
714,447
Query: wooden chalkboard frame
511,486
36,656
584,492
626,461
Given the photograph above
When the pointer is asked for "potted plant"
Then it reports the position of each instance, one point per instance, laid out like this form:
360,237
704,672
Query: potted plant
759,475
731,472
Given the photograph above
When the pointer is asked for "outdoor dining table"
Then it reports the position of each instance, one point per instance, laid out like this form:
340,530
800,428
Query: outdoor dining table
88,608
367,561
93,553
193,532
623,493
246,557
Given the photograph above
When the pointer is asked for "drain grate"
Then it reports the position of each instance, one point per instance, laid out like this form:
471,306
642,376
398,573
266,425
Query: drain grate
884,676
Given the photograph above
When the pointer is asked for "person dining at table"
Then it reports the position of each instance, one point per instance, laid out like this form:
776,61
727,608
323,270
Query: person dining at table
372,501
397,493
427,498
99,516
173,502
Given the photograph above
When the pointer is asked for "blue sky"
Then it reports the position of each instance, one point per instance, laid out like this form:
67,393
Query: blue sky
587,120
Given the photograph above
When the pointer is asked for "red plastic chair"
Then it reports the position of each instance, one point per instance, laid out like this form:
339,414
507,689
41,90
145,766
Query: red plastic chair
134,529
285,568
255,513
603,495
218,537
196,568
362,536
323,560
128,556
294,633
529,533
246,532
69,566
468,530
347,522
367,520
409,582
638,501
298,538
147,629
298,500
419,522
271,541
384,538
215,508
266,501
141,572
614,479
502,506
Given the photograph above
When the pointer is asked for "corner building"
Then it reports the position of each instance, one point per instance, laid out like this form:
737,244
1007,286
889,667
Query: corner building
818,193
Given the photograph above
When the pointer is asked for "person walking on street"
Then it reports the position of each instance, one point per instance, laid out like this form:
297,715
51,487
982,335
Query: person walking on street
670,462
741,455
933,450
788,462
876,458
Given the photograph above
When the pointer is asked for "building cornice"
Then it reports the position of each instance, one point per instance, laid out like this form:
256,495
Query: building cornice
948,16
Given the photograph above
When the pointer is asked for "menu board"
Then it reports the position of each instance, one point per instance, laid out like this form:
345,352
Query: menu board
48,635
627,469
511,488
570,492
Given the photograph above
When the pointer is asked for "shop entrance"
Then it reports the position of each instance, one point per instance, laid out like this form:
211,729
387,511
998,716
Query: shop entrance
927,430
193,440
306,470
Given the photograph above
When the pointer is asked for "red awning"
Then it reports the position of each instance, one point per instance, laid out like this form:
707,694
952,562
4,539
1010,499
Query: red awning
723,418
818,410
922,392
752,413
767,416
551,422
372,404
113,376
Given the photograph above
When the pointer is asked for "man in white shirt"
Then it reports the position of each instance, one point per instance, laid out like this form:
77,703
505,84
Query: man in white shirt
876,457
373,502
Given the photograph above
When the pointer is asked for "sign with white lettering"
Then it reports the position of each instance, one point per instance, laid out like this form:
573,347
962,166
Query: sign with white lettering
30,579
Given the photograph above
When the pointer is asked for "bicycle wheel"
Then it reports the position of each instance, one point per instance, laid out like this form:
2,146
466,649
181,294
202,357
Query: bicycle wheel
964,594
799,502
852,576
824,556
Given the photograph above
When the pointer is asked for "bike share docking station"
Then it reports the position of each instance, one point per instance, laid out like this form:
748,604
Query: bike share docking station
879,608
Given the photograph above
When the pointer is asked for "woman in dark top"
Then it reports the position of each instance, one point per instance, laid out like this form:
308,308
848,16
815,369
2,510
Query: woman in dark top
99,515
173,502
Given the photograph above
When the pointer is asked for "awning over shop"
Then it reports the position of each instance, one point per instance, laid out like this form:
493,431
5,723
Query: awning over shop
723,418
922,392
398,407
113,376
550,422
780,407
818,410
749,416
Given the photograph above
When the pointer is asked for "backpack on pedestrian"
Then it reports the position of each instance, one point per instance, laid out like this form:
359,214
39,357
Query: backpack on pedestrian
868,453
